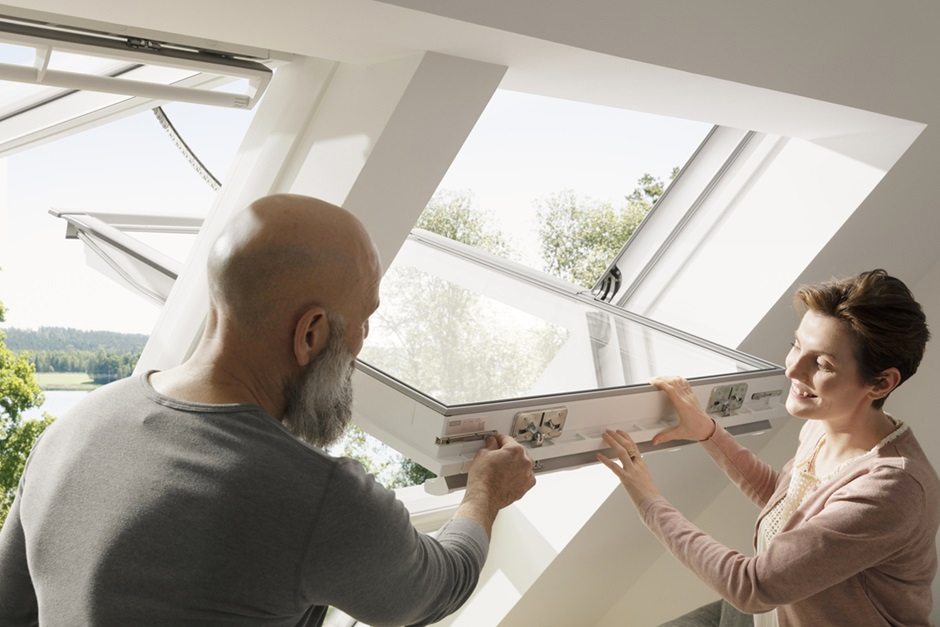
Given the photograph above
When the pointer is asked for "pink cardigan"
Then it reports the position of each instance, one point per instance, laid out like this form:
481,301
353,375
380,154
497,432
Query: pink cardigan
861,549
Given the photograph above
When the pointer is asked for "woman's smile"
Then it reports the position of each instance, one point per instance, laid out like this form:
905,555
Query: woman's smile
799,391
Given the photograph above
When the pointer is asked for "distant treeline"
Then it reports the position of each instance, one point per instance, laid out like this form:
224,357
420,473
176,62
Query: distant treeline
65,339
103,355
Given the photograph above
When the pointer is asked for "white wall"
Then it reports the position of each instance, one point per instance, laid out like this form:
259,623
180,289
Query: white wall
668,589
915,402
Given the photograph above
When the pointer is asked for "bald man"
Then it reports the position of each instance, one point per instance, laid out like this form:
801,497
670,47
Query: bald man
202,495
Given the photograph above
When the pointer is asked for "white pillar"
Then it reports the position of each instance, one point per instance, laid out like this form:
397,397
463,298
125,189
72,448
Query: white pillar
265,159
385,135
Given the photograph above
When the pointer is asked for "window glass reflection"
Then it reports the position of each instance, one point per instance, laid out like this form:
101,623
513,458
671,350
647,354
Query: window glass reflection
461,332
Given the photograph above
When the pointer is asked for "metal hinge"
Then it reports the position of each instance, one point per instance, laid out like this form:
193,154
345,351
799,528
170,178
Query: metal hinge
608,285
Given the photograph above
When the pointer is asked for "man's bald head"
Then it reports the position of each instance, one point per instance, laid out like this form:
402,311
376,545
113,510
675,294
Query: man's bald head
286,252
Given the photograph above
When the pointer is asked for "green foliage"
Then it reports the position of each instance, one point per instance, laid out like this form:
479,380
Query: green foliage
411,473
18,392
441,339
390,468
649,189
18,388
105,367
377,458
452,214
61,361
579,236
105,355
73,340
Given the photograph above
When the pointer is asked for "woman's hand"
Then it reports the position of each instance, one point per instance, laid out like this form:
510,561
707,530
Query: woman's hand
632,470
694,423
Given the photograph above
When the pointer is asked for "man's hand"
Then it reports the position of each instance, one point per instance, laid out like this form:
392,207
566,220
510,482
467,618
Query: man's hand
500,474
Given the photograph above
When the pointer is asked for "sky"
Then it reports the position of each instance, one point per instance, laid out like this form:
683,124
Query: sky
129,166
526,147
523,148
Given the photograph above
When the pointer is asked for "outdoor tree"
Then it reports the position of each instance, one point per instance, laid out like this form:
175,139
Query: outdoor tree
580,236
19,391
454,215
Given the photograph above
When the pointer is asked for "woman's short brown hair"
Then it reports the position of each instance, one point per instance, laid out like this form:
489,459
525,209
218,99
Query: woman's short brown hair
888,326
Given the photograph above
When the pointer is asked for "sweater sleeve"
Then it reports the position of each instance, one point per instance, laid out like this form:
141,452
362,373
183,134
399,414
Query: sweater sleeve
756,479
18,604
369,561
860,526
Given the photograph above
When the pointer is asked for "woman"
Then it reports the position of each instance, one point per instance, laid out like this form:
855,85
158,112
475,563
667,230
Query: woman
847,530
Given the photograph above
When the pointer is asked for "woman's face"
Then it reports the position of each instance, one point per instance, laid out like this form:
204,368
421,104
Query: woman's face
823,371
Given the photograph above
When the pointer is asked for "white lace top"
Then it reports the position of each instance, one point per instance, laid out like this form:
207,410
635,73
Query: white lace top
802,483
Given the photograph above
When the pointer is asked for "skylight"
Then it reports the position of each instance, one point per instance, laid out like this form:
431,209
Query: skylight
528,154
52,77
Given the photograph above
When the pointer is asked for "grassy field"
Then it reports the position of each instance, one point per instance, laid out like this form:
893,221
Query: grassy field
64,381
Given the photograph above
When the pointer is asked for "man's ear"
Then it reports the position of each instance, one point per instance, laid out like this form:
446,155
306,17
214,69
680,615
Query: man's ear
311,334
885,383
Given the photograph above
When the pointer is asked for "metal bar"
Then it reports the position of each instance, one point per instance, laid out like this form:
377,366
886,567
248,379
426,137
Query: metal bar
689,214
122,86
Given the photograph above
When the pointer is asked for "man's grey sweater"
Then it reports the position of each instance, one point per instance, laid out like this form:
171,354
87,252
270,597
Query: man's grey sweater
138,509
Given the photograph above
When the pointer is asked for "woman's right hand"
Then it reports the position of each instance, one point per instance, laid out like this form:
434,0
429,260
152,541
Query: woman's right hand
694,423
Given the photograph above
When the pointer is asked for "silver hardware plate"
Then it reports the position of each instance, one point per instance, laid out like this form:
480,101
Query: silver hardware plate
463,437
725,399
540,425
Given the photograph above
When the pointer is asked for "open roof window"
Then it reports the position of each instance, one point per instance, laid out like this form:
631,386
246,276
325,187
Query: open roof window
54,76
124,258
134,190
468,344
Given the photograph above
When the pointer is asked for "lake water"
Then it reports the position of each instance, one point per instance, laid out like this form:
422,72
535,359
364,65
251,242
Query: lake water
57,403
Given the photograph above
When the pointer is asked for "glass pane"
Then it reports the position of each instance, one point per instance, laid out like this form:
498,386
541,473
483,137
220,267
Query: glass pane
27,108
546,174
153,283
16,54
16,96
83,63
13,95
465,332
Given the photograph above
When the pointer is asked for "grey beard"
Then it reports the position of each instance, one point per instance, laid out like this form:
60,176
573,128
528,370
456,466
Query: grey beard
319,400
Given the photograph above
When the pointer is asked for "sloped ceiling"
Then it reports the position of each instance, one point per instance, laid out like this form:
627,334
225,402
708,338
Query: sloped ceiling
870,55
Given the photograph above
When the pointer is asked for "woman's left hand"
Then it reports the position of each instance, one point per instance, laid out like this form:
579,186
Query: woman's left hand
633,472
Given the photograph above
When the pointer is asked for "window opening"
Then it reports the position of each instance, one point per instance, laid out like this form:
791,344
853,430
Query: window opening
558,185
128,181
